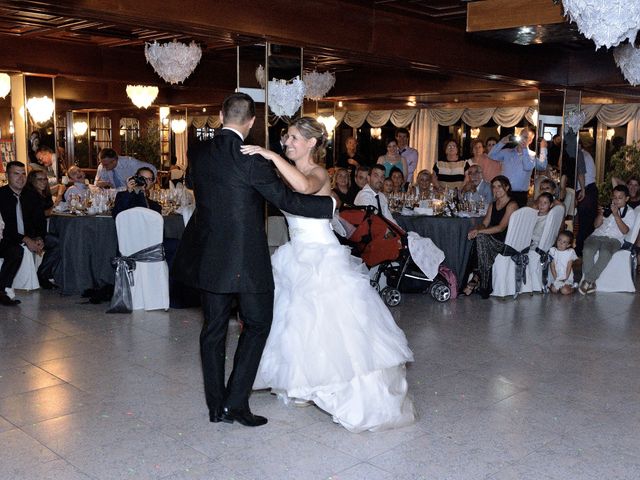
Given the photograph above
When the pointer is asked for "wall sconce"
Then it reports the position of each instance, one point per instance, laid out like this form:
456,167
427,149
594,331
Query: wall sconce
376,133
11,129
40,108
5,85
80,128
142,96
329,123
178,125
475,132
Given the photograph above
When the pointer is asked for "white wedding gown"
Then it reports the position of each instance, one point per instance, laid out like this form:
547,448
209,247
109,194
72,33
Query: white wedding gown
333,341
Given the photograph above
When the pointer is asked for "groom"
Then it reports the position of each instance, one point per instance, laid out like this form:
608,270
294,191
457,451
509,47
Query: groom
224,254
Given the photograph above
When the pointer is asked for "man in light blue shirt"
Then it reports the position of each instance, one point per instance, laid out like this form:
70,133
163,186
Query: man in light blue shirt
518,162
114,170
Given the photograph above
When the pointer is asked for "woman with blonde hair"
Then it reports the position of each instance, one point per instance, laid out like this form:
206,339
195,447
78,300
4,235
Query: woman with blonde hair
337,347
341,187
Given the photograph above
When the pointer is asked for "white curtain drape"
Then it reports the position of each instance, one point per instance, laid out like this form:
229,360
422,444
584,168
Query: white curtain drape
423,136
181,150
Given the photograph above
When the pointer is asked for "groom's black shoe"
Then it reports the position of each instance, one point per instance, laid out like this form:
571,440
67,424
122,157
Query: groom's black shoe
244,417
215,415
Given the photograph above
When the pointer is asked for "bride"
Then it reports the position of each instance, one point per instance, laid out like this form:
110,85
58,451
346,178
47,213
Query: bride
333,342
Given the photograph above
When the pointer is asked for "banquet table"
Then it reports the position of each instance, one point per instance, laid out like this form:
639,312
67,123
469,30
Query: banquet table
87,244
448,233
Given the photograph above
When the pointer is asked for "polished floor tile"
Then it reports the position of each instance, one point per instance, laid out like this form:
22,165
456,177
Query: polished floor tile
541,388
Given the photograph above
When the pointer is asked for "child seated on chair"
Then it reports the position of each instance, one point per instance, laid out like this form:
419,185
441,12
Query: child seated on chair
562,264
543,205
612,224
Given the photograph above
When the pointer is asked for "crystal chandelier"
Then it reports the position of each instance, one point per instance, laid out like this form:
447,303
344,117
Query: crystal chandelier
5,85
142,96
607,23
173,61
260,76
627,58
318,84
574,120
329,123
178,125
40,108
285,97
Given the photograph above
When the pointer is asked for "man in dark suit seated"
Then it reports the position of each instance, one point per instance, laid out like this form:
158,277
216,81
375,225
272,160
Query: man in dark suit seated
137,193
24,224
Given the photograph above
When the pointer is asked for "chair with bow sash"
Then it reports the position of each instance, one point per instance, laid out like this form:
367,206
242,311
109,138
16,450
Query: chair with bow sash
509,269
27,276
620,273
142,268
539,259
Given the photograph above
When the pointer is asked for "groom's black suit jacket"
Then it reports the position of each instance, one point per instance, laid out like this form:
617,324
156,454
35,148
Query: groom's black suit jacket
224,246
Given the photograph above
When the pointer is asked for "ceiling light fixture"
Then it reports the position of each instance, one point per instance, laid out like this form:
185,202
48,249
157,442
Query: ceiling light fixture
5,85
40,108
173,61
142,96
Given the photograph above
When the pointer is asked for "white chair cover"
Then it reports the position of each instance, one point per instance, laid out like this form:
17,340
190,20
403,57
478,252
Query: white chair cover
139,228
27,276
519,235
618,275
547,240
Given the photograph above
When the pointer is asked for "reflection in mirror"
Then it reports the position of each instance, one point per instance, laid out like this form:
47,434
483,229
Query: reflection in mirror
572,122
81,136
249,58
550,104
40,126
7,143
284,63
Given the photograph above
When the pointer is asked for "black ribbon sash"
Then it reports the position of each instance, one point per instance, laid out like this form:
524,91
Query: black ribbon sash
521,259
545,261
121,302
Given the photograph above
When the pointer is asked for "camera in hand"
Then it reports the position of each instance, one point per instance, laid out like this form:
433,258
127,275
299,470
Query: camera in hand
139,180
606,211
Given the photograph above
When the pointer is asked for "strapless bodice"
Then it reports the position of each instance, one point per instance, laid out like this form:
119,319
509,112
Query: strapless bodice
310,230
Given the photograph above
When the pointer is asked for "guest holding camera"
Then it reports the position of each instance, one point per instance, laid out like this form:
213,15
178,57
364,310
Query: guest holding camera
137,193
612,224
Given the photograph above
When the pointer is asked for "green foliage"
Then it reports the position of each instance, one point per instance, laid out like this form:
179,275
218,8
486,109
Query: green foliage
624,164
147,146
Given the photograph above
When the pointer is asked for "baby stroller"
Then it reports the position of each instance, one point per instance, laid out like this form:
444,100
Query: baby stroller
381,243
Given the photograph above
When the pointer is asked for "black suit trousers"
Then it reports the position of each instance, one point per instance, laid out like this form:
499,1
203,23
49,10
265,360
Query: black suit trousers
256,311
12,254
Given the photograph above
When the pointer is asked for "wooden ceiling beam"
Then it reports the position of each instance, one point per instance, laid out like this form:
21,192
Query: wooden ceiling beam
506,14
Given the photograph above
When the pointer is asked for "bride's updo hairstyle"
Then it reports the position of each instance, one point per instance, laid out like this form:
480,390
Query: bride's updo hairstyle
309,128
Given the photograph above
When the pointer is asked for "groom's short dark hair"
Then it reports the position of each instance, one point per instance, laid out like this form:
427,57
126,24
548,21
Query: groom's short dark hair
238,108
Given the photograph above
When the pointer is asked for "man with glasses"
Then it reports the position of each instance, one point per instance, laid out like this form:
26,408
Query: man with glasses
114,171
137,193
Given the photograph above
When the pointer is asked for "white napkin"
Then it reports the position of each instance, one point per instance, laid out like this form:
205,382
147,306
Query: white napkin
425,254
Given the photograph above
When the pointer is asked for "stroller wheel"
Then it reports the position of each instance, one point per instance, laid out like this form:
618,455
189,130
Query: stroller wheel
392,297
440,291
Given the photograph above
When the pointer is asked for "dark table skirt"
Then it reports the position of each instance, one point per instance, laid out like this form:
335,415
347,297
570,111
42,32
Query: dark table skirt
87,245
448,233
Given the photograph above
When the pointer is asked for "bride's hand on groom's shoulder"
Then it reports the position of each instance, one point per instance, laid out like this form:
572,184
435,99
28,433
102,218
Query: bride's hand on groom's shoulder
256,150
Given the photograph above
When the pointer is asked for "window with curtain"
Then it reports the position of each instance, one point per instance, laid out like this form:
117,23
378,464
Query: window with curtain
100,126
129,131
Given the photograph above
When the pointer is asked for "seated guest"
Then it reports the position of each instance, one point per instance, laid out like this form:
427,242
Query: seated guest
549,186
633,184
360,180
423,186
450,173
114,171
611,225
38,182
341,187
387,187
543,204
371,194
78,185
561,266
397,179
137,193
476,186
489,236
24,220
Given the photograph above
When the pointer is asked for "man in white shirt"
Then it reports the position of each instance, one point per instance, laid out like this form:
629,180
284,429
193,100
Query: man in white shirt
408,153
612,224
371,194
114,170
